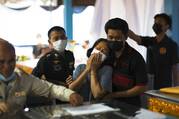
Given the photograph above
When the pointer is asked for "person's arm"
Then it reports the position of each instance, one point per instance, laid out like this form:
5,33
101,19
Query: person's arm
128,93
79,81
134,36
96,87
65,94
47,89
37,71
44,88
71,61
81,78
98,81
71,66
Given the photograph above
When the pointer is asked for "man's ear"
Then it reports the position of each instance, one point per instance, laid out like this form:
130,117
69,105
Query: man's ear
50,44
49,41
125,36
167,26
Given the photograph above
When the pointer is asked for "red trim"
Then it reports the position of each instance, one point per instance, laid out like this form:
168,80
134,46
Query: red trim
121,80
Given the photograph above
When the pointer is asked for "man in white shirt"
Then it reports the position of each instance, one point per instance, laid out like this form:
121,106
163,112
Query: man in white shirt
16,85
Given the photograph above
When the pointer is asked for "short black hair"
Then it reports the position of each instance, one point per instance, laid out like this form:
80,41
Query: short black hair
117,24
56,28
166,17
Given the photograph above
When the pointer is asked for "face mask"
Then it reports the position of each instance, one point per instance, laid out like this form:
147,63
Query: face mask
103,56
8,78
157,28
116,45
60,45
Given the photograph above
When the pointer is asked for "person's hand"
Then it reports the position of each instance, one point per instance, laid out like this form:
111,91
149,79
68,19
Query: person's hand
3,107
96,61
89,62
76,99
69,80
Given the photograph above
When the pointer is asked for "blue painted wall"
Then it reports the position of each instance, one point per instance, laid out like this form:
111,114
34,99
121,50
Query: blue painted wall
68,18
172,8
175,17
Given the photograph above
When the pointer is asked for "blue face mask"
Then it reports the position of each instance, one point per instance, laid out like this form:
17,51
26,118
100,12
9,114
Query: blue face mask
8,78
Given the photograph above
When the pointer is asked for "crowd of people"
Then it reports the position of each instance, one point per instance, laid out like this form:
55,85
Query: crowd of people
113,71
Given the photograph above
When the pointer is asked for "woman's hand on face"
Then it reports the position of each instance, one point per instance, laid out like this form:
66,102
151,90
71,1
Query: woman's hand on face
96,61
89,62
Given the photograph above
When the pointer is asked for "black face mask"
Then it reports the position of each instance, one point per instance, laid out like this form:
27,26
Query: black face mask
116,45
157,28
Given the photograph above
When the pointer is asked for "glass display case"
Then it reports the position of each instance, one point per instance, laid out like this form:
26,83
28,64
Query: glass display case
121,111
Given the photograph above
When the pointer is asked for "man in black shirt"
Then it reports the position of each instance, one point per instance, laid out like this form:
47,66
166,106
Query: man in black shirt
57,65
129,71
162,52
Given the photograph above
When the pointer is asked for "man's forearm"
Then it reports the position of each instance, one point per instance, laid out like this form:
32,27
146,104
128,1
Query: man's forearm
131,92
134,36
60,92
79,81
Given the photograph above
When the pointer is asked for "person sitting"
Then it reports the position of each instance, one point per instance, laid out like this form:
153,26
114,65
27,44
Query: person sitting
129,71
16,85
58,62
94,80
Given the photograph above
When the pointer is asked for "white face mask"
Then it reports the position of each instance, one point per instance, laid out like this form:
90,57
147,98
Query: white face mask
8,78
103,56
60,45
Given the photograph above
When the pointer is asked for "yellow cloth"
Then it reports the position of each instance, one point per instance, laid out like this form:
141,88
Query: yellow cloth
174,90
24,68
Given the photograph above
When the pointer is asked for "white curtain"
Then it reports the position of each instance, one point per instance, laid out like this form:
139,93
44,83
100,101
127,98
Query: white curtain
138,13
21,27
81,25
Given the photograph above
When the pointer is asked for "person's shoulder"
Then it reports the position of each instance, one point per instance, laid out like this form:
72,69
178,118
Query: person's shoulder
171,41
134,53
68,52
131,50
23,75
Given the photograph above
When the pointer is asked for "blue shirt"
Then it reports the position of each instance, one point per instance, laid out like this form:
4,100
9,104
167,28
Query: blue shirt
104,77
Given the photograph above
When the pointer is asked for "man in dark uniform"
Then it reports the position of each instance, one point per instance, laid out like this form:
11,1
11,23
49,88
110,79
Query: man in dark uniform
162,52
129,72
57,65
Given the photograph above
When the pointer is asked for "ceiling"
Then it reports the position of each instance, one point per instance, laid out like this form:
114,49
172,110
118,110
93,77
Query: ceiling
55,2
